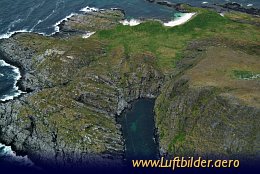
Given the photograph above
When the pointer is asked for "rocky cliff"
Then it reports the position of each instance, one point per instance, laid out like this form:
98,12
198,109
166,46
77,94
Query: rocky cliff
76,87
74,93
208,112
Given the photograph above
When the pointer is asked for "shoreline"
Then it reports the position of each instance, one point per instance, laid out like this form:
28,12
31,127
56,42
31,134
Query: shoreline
132,22
18,69
181,20
219,7
18,76
7,152
57,27
172,23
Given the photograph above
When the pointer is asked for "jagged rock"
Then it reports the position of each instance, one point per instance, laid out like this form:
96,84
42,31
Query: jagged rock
68,116
76,90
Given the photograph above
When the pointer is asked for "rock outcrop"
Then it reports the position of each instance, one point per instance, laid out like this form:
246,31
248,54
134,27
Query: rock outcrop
206,113
68,115
77,87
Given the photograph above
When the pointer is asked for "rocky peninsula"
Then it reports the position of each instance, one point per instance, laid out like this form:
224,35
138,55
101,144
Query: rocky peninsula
76,87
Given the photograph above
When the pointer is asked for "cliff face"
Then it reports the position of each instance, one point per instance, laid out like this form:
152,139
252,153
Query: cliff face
208,112
56,128
78,86
201,122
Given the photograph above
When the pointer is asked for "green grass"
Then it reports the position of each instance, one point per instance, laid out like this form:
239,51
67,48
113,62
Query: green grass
119,53
165,43
246,75
239,16
153,37
177,139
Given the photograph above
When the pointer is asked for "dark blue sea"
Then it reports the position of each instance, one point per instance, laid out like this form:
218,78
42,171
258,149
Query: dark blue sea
41,16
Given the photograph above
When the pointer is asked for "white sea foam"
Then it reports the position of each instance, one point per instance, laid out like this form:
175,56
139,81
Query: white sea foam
181,20
9,34
131,22
15,69
9,97
17,77
89,9
47,17
205,2
87,35
9,155
115,8
56,26
3,63
250,5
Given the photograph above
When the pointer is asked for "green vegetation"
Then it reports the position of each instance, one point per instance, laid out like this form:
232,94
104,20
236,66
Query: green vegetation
124,57
243,17
246,75
179,138
167,44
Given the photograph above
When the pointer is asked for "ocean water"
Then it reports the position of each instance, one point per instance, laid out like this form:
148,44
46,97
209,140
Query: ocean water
138,129
8,78
41,16
9,156
249,3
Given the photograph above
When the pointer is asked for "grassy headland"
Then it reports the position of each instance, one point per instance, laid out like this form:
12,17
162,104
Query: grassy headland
82,80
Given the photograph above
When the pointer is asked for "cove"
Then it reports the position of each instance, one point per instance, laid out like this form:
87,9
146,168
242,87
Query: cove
138,128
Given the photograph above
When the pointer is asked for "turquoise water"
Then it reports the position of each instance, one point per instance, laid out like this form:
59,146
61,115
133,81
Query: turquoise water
139,130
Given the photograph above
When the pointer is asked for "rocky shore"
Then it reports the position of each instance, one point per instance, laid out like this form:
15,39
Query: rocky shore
231,6
237,7
77,87
37,125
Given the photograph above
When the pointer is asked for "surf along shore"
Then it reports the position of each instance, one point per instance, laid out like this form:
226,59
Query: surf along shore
85,83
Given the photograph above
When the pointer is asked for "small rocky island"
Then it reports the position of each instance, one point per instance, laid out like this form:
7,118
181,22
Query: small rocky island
204,76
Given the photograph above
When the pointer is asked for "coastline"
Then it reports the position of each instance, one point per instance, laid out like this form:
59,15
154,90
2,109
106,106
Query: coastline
132,22
19,70
18,67
9,155
181,20
57,27
221,8
185,17
21,67
17,78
